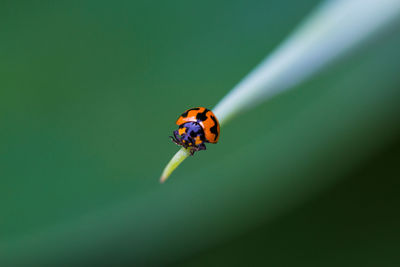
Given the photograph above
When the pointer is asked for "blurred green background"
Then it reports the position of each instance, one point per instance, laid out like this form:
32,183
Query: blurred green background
90,91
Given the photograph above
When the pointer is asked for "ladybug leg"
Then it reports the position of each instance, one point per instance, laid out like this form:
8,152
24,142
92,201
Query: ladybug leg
175,141
202,146
176,138
192,150
195,148
176,135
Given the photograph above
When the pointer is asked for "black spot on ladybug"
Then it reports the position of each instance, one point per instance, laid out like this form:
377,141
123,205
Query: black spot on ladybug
185,114
193,134
214,129
202,116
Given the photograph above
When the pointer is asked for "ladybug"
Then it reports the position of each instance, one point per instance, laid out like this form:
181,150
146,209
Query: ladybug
197,126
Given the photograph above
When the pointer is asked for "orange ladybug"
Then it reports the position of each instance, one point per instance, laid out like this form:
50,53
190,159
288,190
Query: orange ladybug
196,127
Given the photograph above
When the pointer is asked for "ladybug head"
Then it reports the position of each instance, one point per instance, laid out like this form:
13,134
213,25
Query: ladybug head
190,135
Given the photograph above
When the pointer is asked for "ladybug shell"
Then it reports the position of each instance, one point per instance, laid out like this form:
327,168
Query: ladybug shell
205,118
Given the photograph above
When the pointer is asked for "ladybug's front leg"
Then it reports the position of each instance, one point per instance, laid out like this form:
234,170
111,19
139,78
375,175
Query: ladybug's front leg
195,148
202,146
176,138
176,135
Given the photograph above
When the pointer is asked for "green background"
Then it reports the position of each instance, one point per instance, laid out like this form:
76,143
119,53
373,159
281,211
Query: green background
90,91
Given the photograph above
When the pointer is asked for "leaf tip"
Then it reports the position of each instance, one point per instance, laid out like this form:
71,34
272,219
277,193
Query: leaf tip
177,159
163,178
